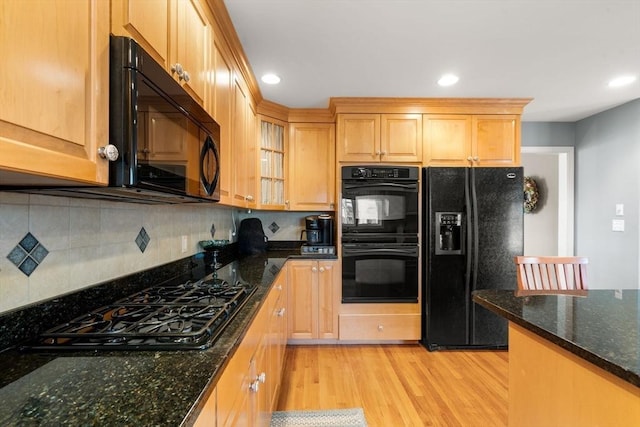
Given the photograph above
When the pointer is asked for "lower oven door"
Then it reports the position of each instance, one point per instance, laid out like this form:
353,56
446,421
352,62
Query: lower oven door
379,273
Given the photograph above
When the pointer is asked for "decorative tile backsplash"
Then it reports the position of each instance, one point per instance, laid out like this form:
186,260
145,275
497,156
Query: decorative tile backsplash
142,240
28,254
51,246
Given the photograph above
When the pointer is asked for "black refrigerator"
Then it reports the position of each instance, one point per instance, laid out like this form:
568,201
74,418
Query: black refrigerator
472,229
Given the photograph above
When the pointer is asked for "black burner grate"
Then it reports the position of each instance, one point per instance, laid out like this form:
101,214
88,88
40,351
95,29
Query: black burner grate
187,316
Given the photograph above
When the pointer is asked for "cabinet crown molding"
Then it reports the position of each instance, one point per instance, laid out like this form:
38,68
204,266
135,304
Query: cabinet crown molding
342,105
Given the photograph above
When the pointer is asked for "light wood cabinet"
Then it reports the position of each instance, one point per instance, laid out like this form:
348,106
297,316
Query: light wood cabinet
277,335
380,327
313,299
539,368
496,140
273,143
190,48
208,413
471,140
221,109
54,100
238,403
250,382
312,171
243,153
146,21
175,32
380,138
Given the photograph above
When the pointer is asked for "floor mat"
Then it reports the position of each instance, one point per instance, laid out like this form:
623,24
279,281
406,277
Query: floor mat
353,417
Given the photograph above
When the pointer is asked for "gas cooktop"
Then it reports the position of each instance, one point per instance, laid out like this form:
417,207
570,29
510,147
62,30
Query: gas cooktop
190,315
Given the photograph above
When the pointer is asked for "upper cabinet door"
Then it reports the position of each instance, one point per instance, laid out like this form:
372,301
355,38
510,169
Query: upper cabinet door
312,167
221,98
190,47
273,143
147,22
359,137
55,91
447,139
471,140
401,139
496,140
243,145
176,33
380,138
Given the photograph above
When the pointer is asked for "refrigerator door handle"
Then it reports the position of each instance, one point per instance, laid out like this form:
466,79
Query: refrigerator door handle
476,248
470,238
476,231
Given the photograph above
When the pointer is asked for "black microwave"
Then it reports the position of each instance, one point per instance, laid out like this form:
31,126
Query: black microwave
168,144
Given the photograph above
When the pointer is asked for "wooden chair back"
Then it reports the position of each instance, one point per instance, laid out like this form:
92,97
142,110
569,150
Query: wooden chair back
551,275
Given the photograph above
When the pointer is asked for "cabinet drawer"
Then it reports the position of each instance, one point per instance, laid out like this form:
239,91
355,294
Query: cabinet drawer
380,327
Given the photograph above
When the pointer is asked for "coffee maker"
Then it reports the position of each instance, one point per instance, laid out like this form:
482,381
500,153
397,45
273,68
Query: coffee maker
319,231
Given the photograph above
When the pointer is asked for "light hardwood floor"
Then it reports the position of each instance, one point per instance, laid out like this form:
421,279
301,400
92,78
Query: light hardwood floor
399,385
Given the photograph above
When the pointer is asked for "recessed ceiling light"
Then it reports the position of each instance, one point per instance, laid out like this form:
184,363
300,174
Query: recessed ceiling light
271,79
448,80
622,81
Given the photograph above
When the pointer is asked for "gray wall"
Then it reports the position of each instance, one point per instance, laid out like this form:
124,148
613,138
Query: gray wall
607,173
554,134
541,225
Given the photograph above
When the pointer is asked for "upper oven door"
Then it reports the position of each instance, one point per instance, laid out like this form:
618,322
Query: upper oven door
379,206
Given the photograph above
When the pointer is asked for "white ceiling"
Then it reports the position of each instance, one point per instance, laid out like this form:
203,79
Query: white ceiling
562,53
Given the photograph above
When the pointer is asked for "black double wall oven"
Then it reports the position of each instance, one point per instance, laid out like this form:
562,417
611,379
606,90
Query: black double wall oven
379,217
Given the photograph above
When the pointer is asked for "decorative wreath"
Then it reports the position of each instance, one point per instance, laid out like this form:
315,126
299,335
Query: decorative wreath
531,194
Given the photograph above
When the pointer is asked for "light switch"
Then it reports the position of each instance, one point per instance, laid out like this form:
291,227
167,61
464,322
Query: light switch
617,225
619,209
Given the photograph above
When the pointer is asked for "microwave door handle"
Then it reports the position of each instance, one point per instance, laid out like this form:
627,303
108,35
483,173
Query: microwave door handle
209,145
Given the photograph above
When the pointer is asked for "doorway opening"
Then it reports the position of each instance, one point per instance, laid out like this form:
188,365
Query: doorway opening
548,230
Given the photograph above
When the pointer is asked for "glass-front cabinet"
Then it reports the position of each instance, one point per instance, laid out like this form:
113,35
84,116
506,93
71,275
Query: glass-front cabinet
273,141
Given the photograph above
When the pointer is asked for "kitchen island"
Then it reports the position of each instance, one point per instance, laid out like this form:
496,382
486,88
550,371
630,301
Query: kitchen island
101,387
573,360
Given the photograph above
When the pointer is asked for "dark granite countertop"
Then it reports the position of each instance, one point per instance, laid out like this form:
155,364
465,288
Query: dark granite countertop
602,328
159,388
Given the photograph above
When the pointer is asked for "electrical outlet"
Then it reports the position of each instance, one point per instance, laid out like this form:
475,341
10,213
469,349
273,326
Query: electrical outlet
617,293
617,225
185,242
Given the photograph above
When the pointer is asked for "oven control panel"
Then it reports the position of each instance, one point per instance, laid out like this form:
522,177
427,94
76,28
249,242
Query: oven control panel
378,172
